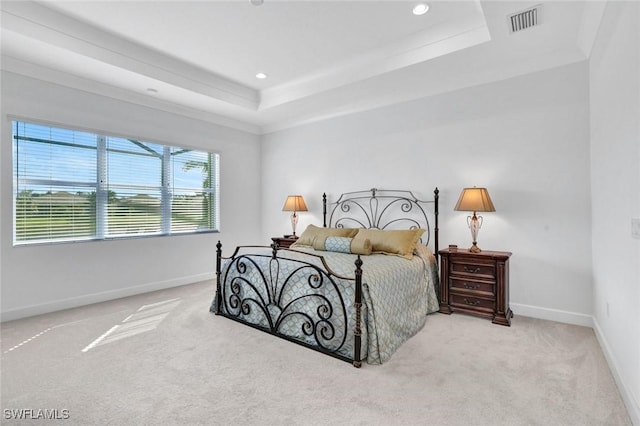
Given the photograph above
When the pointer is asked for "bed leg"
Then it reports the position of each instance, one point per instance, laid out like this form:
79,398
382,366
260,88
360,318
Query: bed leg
218,285
358,306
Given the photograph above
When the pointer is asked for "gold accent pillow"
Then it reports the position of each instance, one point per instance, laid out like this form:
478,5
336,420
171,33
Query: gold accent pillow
361,246
312,232
396,242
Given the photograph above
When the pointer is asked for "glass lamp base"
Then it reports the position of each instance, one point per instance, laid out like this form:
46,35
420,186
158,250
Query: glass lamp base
475,223
294,223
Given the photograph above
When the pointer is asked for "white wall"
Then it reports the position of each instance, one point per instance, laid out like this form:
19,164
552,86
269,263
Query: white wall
37,279
615,181
526,139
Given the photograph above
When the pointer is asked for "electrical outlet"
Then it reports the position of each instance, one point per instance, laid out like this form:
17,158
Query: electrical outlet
635,228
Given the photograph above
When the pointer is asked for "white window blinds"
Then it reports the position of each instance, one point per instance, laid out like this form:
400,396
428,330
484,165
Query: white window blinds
73,185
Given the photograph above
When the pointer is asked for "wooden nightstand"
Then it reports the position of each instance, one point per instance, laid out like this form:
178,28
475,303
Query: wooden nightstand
284,242
476,284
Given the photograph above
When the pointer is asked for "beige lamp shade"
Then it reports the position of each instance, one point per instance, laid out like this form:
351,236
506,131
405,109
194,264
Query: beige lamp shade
294,203
475,200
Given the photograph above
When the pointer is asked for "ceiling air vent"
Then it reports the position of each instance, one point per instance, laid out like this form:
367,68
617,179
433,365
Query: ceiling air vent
522,20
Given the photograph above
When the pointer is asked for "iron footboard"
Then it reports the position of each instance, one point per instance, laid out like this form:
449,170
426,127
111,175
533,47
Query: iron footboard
295,297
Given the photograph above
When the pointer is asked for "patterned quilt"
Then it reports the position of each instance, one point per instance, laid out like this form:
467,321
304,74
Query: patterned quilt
281,295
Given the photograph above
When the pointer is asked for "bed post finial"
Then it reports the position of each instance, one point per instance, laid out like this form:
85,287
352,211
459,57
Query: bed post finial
324,209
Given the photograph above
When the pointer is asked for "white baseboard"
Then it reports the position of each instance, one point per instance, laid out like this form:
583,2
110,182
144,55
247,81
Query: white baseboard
552,315
630,400
74,302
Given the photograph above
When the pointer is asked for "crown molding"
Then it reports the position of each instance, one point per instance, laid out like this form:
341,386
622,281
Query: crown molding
427,45
40,23
39,72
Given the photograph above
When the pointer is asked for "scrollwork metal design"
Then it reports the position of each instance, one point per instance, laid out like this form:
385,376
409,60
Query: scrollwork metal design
291,298
381,209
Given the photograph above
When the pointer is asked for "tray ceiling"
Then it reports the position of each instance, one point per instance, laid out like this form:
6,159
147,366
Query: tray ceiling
322,58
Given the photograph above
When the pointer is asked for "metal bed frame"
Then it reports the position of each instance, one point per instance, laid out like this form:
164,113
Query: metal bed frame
240,296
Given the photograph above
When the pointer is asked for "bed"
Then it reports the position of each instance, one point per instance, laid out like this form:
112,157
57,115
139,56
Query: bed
355,288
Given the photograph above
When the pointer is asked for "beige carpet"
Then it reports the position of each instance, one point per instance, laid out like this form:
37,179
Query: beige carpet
162,358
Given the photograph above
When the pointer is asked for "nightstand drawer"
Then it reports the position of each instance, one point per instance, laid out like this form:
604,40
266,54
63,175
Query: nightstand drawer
475,268
475,303
479,287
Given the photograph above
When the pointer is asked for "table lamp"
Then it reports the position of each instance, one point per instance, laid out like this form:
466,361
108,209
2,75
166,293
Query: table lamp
294,203
475,200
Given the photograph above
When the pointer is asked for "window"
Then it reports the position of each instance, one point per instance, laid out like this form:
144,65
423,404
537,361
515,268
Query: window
71,185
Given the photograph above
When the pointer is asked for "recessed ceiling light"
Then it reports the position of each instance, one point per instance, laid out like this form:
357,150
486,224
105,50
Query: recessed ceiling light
261,75
257,2
420,9
152,90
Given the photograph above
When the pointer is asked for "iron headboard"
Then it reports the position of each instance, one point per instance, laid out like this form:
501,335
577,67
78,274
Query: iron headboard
383,209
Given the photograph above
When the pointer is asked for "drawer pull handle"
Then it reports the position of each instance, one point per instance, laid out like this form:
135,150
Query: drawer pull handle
474,303
471,270
471,286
